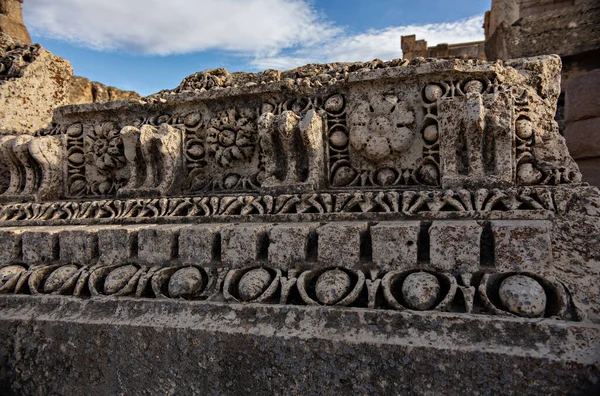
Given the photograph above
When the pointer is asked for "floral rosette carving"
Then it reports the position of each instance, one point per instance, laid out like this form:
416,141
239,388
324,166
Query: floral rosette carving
231,136
105,153
380,127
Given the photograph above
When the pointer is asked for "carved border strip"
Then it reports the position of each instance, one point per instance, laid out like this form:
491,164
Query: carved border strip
399,201
418,289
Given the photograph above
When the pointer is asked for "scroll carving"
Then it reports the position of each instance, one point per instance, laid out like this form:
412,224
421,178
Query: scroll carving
154,158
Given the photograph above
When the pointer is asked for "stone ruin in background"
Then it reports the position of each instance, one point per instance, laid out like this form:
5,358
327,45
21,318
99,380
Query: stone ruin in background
381,227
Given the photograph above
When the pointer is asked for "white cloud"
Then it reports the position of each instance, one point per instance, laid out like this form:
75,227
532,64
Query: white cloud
382,44
277,34
164,27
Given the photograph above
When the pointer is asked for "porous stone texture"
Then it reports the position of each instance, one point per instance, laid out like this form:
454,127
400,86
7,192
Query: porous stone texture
11,20
455,245
158,245
244,244
78,245
10,244
201,244
522,246
40,245
395,244
289,243
33,82
523,296
117,245
339,243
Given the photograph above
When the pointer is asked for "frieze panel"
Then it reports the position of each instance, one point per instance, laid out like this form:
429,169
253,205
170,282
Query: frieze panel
517,294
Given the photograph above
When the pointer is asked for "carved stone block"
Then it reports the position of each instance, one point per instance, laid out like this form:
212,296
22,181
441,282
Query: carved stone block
78,245
340,243
244,244
158,245
201,244
395,244
40,245
119,244
289,243
10,244
455,245
522,245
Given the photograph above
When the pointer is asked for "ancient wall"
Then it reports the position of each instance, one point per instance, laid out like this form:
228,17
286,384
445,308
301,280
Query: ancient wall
411,48
370,227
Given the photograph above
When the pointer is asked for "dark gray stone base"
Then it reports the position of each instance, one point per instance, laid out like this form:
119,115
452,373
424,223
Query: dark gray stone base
59,345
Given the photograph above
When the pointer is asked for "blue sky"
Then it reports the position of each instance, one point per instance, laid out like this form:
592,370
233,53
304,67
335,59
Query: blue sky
149,45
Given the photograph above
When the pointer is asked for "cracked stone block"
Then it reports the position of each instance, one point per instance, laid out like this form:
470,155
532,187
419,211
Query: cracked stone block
339,243
10,244
40,245
289,243
455,245
158,245
78,245
244,244
522,245
119,244
395,244
201,244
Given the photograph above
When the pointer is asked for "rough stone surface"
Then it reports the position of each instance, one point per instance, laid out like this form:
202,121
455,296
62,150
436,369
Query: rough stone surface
40,246
289,243
117,245
455,245
395,244
523,296
522,246
33,82
10,244
78,246
339,243
11,20
244,244
421,290
227,346
82,90
201,244
157,245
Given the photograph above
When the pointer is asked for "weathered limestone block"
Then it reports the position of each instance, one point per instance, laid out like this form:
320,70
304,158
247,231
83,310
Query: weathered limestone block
158,245
10,244
11,20
201,244
117,245
522,246
455,245
244,244
40,245
78,245
154,158
33,82
395,244
340,243
290,243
